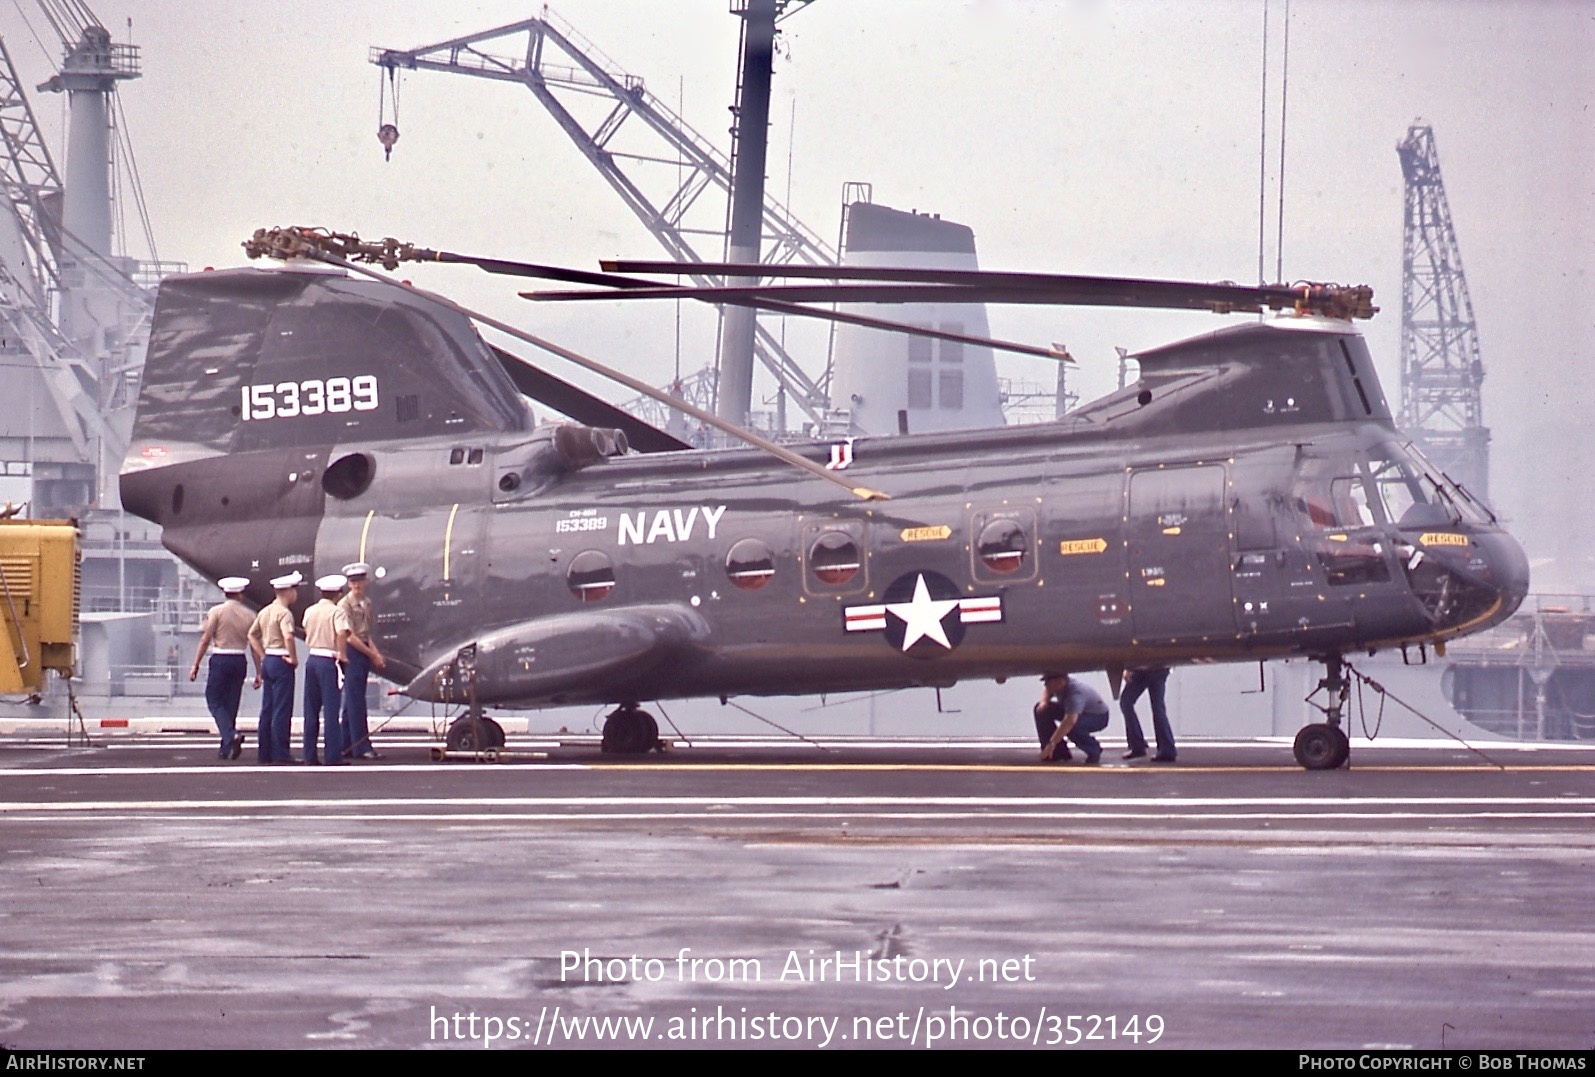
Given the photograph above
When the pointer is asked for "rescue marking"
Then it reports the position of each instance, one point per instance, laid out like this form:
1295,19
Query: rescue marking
926,534
1442,538
1070,547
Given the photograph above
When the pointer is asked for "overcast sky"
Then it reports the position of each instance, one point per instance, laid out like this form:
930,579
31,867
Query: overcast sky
1091,137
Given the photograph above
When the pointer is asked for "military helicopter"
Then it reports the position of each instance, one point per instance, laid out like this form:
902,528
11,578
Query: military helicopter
1249,497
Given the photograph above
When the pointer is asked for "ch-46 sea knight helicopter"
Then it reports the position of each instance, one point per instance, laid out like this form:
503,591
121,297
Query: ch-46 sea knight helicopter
1249,497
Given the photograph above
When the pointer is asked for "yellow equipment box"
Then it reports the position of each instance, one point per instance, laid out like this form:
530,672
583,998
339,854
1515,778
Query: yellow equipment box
39,582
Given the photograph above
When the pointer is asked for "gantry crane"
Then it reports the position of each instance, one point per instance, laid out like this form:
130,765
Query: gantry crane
1441,368
658,165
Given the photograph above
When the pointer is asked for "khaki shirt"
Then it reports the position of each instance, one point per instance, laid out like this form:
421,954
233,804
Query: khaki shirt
323,622
359,615
274,628
227,624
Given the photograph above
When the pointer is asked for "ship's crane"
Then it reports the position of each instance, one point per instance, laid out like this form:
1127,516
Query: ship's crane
655,161
72,306
1441,368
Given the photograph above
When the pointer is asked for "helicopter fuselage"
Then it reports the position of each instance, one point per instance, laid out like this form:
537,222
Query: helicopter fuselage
1248,497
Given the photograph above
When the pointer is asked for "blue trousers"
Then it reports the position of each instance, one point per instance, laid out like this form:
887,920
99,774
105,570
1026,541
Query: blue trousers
1152,682
356,727
322,699
224,688
1048,717
276,710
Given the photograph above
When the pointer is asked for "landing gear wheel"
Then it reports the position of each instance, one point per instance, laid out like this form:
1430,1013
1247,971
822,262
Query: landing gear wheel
1321,746
462,736
629,731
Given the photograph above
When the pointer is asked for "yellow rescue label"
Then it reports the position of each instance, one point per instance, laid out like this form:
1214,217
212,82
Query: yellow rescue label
1074,546
1442,538
926,534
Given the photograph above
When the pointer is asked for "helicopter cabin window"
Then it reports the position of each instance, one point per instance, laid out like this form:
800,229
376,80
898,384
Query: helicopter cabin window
1338,504
834,558
591,576
1333,495
750,564
1002,546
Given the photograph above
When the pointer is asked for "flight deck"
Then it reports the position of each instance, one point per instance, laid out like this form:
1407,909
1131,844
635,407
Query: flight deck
1424,896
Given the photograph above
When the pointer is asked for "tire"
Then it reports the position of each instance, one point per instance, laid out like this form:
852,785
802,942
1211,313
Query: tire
461,736
1321,746
630,732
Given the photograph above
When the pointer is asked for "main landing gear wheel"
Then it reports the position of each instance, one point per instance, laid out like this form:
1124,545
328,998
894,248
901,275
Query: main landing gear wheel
1321,746
630,731
463,734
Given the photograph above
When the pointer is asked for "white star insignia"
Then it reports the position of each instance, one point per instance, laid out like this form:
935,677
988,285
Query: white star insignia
922,618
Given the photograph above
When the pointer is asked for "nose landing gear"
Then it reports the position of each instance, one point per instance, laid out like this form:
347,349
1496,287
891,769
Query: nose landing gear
1324,745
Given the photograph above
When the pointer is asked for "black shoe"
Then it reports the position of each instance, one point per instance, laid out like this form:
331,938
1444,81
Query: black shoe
372,754
1135,753
1093,760
1163,759
238,746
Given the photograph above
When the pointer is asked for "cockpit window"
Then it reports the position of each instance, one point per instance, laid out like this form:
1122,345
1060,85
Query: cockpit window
1334,495
1462,504
1417,494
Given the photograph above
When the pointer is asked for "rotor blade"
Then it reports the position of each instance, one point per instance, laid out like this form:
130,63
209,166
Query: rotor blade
627,286
565,398
1345,301
847,317
1088,292
636,385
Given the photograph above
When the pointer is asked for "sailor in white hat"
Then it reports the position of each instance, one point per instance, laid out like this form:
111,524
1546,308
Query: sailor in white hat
226,628
271,640
361,655
325,624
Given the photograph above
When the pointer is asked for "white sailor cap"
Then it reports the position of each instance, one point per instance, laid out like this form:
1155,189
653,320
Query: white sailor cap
358,568
288,582
331,582
233,584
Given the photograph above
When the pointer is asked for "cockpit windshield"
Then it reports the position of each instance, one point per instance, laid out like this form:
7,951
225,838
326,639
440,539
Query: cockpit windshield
1415,493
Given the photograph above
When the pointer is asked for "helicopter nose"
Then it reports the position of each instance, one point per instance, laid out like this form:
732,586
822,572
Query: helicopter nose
1470,589
1509,566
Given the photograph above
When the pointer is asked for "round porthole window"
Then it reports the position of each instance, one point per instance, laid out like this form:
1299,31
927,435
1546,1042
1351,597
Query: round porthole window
750,564
591,576
834,558
1002,546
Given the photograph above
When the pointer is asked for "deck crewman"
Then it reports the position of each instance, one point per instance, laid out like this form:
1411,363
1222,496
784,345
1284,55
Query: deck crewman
226,635
271,641
362,655
325,623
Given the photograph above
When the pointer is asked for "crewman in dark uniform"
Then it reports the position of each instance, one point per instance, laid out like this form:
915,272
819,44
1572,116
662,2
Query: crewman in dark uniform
1151,680
362,656
324,623
1069,708
271,641
226,635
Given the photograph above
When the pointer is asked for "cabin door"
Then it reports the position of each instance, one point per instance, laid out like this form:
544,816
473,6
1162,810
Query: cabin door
1179,555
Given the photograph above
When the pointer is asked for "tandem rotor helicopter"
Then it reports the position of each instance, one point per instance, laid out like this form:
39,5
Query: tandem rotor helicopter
1249,497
